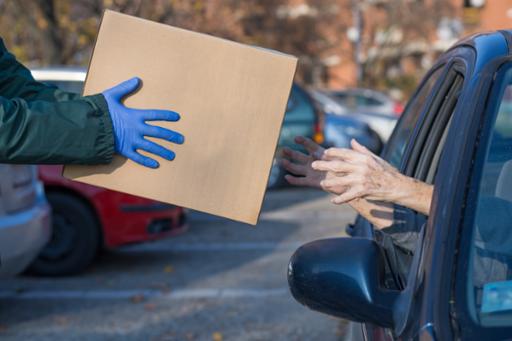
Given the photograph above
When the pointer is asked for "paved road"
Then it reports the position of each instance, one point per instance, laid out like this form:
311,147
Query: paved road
221,280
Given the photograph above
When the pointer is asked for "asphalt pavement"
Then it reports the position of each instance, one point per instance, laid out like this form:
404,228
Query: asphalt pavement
221,280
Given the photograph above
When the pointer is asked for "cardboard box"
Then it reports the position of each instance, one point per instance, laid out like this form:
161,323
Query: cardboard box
231,98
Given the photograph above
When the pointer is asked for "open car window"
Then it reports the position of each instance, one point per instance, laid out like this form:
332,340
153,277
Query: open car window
396,145
422,164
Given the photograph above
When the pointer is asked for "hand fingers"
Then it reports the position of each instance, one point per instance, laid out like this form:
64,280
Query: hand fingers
142,160
296,181
159,115
359,147
309,144
125,88
335,166
339,181
156,149
293,167
295,155
350,195
162,133
340,153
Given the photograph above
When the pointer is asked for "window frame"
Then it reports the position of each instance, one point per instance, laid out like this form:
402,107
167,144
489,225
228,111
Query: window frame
466,225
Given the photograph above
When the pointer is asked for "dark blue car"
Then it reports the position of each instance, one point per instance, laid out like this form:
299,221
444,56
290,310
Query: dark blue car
449,275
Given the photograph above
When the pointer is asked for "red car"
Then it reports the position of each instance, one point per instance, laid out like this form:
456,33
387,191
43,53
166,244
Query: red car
88,218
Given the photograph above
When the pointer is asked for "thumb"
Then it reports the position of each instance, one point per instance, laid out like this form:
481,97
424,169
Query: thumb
125,88
359,147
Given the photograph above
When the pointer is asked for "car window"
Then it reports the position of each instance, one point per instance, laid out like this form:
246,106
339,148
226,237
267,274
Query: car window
300,107
405,126
367,101
489,276
428,144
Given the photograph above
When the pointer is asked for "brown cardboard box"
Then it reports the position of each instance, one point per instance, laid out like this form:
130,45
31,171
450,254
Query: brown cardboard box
231,98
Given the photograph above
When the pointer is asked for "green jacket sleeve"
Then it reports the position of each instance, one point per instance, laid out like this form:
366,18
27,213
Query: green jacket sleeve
16,81
40,124
68,132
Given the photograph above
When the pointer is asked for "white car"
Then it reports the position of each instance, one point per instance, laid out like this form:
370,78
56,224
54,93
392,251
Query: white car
25,225
372,107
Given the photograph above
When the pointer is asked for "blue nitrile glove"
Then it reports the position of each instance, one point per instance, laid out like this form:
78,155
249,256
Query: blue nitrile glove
130,126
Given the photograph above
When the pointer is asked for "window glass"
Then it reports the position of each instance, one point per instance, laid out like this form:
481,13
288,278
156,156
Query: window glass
490,270
397,143
299,108
367,101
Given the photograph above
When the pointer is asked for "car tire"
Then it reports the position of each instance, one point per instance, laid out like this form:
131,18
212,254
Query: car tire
75,238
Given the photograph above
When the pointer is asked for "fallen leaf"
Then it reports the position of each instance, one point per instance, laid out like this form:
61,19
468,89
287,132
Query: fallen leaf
217,336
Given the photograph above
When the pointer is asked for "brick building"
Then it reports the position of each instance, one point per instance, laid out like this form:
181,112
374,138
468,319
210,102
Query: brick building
398,44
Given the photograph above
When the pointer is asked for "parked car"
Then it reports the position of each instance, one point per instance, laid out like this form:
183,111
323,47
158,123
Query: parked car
340,127
370,106
307,116
449,275
86,218
303,118
25,225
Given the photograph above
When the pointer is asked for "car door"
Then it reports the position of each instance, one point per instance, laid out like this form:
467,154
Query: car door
482,281
415,148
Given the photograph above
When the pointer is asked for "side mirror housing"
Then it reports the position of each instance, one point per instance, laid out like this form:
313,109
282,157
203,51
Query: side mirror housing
342,277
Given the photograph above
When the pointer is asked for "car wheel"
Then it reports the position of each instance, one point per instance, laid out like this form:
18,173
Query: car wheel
276,177
75,238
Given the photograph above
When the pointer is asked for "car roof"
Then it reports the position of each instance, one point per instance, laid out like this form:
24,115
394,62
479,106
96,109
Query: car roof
60,73
487,45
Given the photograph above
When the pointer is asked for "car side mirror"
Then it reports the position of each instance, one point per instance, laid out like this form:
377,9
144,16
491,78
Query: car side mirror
342,277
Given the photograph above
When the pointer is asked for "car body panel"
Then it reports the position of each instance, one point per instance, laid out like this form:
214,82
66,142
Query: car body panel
340,127
124,218
381,116
432,315
24,230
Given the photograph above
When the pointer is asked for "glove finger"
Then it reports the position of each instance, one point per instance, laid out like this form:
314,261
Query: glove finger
160,115
125,88
162,133
156,149
142,160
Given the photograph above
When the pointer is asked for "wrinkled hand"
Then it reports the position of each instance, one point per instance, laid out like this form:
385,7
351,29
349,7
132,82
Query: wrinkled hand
130,127
358,174
299,164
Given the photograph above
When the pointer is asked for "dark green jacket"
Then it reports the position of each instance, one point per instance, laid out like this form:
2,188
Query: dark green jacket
40,124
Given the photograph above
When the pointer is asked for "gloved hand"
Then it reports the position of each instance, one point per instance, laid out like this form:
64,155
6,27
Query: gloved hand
130,126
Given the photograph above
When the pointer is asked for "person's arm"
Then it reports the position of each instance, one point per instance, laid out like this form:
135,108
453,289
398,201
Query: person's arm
42,124
380,214
16,81
41,132
363,174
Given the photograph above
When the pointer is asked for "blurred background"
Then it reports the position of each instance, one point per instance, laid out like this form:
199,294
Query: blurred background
381,44
90,273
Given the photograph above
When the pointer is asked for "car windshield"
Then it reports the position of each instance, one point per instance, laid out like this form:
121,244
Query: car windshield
490,270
